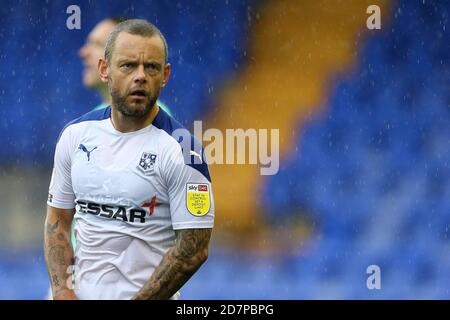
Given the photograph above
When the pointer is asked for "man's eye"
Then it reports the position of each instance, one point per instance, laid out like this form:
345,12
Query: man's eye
152,66
126,65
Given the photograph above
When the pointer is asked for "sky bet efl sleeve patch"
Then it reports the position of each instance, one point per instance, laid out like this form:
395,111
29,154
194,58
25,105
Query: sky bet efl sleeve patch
198,200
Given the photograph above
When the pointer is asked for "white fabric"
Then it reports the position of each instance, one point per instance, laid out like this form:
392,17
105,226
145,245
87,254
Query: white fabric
116,254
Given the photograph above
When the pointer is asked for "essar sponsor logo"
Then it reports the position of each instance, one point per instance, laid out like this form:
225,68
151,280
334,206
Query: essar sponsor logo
133,215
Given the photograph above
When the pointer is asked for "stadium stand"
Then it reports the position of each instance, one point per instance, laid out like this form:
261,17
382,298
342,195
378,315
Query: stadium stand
373,169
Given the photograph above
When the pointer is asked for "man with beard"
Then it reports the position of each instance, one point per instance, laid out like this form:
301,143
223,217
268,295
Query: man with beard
134,182
91,52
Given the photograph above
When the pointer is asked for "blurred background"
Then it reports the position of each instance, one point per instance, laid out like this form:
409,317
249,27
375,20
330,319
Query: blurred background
364,129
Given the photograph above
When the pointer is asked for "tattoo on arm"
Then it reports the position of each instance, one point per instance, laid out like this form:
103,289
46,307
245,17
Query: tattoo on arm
52,227
190,241
58,253
178,265
55,280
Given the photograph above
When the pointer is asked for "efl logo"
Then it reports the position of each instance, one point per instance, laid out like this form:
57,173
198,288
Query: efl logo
198,201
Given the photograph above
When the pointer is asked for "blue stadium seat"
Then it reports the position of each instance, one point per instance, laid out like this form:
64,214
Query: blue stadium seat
383,142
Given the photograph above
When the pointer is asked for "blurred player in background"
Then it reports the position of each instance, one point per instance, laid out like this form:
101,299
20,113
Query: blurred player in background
141,200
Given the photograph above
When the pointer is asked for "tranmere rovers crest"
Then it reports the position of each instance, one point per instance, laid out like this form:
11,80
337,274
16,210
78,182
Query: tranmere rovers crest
147,162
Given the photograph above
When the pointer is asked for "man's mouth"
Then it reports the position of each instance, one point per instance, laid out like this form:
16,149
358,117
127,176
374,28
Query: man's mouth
88,69
138,94
88,66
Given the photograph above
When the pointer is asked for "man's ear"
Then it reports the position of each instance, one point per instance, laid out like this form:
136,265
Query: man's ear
167,68
102,68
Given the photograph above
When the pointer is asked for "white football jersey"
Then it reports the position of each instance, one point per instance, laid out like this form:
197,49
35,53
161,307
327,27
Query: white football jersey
130,192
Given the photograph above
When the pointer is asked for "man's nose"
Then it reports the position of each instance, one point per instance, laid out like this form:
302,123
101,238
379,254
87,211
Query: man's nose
83,51
140,74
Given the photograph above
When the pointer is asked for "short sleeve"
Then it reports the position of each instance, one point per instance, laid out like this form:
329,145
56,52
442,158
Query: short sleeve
190,191
60,194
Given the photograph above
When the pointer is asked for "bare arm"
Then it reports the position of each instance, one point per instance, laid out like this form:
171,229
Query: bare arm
58,250
178,264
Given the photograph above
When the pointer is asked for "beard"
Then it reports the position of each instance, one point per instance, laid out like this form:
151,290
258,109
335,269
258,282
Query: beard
139,110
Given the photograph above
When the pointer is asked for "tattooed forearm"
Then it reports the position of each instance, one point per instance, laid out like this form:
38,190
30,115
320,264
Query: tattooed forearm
189,242
56,255
55,280
50,228
58,251
178,265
